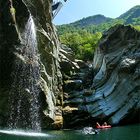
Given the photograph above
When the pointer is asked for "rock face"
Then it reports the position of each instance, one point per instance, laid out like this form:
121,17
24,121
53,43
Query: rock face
116,81
113,95
30,76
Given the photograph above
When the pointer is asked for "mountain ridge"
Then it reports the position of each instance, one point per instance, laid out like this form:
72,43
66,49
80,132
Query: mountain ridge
133,12
91,20
100,23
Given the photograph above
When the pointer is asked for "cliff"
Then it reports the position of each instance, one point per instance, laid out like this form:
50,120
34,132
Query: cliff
112,95
30,77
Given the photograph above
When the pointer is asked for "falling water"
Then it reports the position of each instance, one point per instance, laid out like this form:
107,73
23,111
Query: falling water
24,94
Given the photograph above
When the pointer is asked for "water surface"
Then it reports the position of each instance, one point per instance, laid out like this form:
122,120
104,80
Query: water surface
131,132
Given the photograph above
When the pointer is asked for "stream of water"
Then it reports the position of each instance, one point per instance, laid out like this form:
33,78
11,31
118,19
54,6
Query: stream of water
24,94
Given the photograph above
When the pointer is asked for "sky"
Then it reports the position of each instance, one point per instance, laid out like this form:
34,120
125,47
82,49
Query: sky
74,10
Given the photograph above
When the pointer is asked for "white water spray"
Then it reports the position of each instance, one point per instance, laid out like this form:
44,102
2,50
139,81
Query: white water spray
24,94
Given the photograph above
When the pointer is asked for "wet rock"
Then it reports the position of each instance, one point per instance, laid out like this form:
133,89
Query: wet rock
73,85
89,130
76,78
13,60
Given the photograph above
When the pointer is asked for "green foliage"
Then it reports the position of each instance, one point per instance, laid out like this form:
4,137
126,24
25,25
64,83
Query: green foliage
82,36
137,27
100,23
12,10
131,15
63,29
91,20
104,26
136,21
82,43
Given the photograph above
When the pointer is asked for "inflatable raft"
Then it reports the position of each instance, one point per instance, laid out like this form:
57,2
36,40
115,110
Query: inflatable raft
103,127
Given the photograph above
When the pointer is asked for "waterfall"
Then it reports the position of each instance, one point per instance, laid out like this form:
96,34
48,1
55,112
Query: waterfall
24,94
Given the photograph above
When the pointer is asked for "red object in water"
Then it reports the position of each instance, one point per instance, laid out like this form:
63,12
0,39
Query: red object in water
103,127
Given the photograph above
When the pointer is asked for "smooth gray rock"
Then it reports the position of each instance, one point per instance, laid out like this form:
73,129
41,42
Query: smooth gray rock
113,95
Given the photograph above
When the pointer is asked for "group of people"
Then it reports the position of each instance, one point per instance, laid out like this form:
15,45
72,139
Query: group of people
91,130
104,124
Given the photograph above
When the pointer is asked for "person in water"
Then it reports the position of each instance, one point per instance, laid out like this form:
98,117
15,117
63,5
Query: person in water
104,124
97,124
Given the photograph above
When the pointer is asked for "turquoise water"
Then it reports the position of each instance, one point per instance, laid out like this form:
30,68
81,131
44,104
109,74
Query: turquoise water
131,132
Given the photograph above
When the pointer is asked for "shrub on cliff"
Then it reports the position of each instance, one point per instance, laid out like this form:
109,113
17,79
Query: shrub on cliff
137,27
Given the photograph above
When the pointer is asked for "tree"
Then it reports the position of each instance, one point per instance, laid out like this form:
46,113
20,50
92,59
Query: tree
82,42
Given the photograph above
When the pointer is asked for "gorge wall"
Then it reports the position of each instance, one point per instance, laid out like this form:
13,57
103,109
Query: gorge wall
30,77
113,93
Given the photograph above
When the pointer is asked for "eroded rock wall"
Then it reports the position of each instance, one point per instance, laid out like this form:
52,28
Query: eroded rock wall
51,77
113,95
14,16
116,81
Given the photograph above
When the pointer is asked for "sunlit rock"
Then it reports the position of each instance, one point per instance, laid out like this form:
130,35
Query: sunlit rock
113,94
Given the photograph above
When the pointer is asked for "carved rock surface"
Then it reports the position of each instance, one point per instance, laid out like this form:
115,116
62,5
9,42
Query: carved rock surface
14,16
116,81
114,95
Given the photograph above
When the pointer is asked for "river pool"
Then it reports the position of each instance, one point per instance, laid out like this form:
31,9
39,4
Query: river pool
131,132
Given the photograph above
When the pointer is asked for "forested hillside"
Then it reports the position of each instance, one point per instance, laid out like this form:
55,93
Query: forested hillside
83,35
132,16
100,23
92,20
